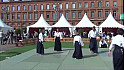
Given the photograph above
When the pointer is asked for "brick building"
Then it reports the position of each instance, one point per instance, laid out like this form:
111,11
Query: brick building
20,14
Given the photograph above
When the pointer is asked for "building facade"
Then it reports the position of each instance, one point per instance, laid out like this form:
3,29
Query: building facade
20,14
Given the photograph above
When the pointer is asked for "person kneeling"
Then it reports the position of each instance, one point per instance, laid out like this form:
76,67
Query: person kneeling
78,50
103,43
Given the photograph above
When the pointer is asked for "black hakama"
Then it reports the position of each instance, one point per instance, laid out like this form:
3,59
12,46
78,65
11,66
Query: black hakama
40,48
57,44
118,58
78,51
104,46
93,45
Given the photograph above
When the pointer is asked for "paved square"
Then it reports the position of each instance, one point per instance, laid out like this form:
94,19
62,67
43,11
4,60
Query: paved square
63,60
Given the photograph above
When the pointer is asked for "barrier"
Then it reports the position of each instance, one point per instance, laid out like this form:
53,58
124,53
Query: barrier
34,41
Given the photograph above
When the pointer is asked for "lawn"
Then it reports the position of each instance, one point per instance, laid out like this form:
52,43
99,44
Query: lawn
23,49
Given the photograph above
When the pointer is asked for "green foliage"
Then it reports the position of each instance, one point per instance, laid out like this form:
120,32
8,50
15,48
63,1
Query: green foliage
0,27
81,30
43,31
19,31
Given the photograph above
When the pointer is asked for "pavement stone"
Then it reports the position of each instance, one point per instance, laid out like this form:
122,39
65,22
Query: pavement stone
63,60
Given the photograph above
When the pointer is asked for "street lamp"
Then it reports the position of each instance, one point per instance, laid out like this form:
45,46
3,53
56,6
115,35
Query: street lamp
3,11
56,9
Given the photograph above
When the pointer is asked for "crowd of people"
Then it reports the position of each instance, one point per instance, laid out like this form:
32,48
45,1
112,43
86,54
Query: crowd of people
11,37
8,38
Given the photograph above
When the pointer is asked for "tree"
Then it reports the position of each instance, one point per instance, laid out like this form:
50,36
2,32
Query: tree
19,31
0,27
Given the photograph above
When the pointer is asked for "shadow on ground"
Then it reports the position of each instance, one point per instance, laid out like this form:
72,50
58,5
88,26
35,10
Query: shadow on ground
67,49
53,53
88,56
102,51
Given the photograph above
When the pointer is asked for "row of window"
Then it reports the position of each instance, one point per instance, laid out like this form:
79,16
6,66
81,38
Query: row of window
19,24
60,6
54,15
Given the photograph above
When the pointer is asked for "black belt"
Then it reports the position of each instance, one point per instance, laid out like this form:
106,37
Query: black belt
93,38
118,47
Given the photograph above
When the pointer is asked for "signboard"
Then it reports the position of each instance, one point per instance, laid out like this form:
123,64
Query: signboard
121,16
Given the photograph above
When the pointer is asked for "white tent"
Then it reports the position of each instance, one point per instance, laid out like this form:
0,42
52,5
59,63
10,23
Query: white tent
110,22
63,23
85,22
5,27
41,23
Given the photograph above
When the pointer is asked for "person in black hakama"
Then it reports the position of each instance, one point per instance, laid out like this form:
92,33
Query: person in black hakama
57,41
78,50
118,53
93,42
40,48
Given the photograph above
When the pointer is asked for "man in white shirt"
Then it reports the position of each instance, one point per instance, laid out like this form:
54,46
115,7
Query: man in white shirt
78,49
58,36
40,47
1,37
93,42
118,53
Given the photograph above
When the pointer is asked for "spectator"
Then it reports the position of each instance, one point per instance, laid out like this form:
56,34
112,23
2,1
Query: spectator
15,37
1,37
11,36
8,34
18,37
5,38
25,35
103,43
103,35
45,34
100,34
35,34
85,35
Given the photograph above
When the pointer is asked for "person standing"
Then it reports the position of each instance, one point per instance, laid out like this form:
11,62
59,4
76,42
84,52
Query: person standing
1,37
35,34
57,41
15,36
11,36
118,53
93,42
78,49
40,47
8,34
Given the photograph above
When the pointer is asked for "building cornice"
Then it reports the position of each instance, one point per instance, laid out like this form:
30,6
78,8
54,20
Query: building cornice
44,1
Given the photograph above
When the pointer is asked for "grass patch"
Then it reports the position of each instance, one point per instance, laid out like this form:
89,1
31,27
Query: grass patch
64,45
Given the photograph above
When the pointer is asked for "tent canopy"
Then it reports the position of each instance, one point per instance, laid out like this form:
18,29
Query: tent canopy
5,27
85,22
62,22
41,23
3,24
110,22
